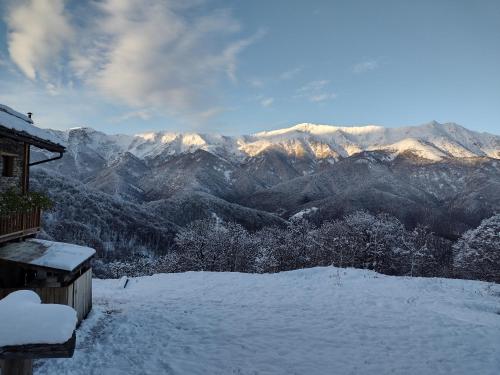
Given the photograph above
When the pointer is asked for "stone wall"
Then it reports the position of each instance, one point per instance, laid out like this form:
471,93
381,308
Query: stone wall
10,147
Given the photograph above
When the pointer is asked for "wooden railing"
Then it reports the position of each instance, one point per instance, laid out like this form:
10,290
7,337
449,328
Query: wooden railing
19,224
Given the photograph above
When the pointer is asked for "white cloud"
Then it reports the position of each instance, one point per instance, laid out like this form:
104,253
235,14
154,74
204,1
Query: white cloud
38,32
289,74
145,53
142,114
267,102
52,89
313,86
255,82
316,91
208,114
322,97
365,66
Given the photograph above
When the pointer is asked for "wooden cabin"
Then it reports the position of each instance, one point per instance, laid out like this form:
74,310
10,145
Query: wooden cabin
58,272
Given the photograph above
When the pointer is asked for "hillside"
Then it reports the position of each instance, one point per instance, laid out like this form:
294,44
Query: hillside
301,322
440,175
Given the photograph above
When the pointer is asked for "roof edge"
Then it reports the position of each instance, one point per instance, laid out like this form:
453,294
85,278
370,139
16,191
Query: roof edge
31,139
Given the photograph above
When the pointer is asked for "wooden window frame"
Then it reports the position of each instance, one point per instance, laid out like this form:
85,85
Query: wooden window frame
8,163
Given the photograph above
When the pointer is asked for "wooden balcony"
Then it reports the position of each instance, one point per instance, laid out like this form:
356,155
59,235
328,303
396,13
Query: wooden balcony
19,225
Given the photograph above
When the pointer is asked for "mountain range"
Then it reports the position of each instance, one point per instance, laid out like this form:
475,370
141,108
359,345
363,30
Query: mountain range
148,185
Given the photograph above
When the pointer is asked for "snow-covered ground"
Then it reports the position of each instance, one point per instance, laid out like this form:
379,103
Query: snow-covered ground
314,321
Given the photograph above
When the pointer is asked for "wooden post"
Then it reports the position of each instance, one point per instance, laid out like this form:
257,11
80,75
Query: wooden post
26,168
18,360
17,366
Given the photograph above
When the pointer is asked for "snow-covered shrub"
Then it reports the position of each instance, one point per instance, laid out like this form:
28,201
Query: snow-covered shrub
375,242
380,242
333,246
428,255
270,244
360,240
211,245
476,254
136,266
288,248
238,249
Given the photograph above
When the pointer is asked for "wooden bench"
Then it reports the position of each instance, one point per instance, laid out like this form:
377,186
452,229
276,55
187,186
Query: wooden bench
18,360
23,335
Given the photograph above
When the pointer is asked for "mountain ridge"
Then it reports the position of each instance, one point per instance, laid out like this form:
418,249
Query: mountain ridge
440,175
319,141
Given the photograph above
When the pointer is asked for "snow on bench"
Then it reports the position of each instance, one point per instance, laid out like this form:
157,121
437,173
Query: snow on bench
25,321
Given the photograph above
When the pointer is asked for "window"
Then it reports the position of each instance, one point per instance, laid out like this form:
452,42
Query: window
8,165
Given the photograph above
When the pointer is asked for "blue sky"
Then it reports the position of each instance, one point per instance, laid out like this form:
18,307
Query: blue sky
237,67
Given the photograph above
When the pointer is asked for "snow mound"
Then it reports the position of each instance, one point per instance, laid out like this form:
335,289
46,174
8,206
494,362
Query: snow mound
300,322
24,320
307,211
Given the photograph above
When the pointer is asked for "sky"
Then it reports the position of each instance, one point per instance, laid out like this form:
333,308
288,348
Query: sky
239,67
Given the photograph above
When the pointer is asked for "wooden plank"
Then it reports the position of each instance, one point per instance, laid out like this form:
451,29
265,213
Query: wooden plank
16,366
34,351
82,295
69,295
12,234
26,168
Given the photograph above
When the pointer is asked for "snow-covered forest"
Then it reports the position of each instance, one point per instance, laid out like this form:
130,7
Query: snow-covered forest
360,240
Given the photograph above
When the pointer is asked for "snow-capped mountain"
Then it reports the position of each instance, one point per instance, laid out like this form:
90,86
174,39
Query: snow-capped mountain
442,175
433,141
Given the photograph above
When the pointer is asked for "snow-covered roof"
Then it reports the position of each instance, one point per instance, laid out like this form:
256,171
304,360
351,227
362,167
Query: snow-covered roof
14,120
50,254
24,320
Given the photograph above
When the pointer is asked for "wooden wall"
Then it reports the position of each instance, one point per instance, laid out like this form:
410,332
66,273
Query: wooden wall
81,295
77,294
12,148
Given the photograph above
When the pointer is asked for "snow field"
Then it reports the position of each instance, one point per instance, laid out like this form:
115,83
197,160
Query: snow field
313,321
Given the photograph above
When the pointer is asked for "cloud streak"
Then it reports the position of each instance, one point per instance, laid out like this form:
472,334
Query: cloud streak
289,74
146,54
267,102
365,66
38,32
316,91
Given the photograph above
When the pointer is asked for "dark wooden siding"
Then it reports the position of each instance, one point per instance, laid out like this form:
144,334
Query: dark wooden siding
16,149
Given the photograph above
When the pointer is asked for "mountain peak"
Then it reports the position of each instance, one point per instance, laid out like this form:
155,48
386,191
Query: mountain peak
432,140
317,129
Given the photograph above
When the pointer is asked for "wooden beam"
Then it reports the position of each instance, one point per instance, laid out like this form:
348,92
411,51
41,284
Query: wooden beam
35,351
19,234
17,367
26,168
